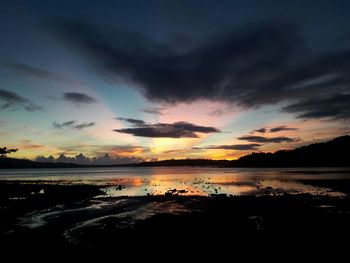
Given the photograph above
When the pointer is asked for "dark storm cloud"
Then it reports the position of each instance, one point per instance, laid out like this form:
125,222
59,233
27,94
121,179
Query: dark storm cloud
258,65
167,130
238,147
78,98
132,121
261,139
73,125
334,107
13,101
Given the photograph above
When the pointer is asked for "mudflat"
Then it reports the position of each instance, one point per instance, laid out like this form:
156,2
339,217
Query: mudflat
51,222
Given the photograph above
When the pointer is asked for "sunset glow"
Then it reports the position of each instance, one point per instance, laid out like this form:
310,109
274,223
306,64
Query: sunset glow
64,95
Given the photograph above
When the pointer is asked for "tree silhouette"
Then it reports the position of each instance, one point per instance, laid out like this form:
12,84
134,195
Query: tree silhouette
4,151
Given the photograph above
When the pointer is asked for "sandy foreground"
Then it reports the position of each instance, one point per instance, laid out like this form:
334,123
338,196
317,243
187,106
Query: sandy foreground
42,222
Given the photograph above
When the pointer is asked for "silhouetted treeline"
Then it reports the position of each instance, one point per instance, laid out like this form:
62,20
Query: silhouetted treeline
331,153
7,163
4,151
187,162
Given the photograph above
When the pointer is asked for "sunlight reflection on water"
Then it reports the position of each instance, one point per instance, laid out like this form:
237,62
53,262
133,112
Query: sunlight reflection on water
186,181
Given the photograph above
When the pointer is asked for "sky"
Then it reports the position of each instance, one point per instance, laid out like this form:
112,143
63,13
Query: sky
107,82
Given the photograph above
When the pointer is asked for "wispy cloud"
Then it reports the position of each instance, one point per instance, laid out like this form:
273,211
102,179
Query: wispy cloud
57,125
31,71
157,111
275,129
13,101
84,125
261,130
24,69
78,98
282,128
261,139
98,150
135,122
72,124
238,147
215,113
28,144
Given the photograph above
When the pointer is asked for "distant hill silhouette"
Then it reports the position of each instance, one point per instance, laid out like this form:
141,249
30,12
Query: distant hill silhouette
8,163
186,162
332,153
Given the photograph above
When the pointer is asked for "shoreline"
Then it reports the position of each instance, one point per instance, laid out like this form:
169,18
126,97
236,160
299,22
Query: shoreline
80,166
70,218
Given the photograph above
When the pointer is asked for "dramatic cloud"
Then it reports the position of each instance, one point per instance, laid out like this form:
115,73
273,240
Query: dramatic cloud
258,65
334,107
238,147
105,159
282,128
166,130
78,98
13,101
261,139
72,124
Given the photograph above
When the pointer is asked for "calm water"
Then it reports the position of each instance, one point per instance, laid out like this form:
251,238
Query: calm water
186,181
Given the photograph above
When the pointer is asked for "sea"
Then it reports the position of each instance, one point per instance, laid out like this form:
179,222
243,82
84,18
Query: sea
192,181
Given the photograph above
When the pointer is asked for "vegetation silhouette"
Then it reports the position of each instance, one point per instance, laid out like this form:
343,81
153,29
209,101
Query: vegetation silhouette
331,153
4,151
8,163
327,154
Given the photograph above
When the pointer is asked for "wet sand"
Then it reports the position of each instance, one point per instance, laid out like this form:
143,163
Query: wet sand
43,222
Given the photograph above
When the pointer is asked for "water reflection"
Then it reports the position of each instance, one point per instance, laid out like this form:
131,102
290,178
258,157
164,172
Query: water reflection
186,181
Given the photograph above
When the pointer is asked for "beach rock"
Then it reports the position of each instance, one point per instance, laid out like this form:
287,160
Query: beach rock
120,187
